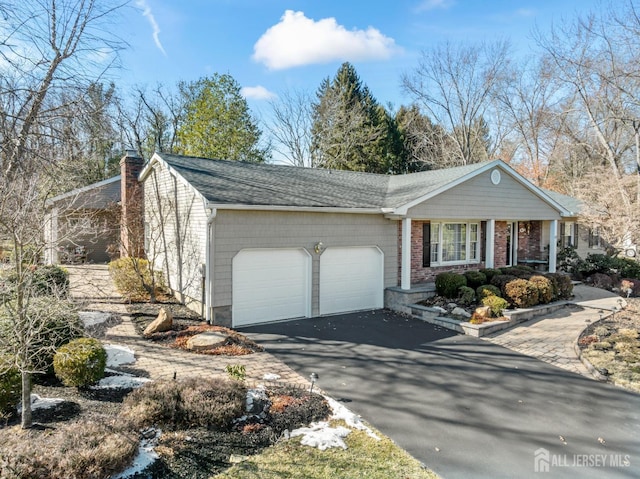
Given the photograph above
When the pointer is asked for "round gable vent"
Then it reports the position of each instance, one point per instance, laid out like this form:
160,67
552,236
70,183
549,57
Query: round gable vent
495,177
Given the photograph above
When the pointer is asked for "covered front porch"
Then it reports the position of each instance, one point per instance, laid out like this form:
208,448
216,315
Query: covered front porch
429,246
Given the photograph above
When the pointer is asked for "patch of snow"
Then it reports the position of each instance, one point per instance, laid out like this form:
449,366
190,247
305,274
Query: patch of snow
38,402
270,377
120,382
352,420
93,318
146,456
118,355
322,436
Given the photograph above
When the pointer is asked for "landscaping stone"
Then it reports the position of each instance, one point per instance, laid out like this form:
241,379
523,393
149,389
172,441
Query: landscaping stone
206,340
483,312
257,401
452,306
460,312
164,322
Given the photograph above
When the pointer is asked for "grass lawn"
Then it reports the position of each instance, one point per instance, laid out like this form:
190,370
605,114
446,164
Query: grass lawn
364,458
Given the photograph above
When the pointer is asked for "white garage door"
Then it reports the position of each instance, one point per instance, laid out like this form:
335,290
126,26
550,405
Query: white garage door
351,279
271,284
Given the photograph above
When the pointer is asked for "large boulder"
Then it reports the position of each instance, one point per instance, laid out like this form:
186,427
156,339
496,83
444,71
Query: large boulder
460,312
483,312
164,322
206,340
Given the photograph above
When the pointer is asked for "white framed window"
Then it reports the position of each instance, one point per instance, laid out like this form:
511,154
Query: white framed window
455,243
435,242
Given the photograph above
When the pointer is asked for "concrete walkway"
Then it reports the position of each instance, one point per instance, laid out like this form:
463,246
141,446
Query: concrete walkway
92,287
552,338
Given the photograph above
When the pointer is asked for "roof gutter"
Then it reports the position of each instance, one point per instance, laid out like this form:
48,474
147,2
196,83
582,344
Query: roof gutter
303,209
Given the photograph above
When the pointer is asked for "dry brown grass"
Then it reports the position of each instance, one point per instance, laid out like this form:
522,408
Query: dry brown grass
77,450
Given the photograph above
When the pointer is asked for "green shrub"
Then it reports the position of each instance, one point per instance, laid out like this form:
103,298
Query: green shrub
80,363
194,402
501,280
448,284
475,278
10,390
47,280
545,289
568,260
522,272
627,268
496,304
487,290
521,293
236,371
490,273
133,277
562,287
467,295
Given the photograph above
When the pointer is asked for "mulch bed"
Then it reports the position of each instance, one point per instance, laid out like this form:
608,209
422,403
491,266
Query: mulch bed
187,323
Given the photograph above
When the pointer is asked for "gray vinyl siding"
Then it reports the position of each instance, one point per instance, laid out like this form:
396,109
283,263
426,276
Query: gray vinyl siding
237,230
179,248
480,198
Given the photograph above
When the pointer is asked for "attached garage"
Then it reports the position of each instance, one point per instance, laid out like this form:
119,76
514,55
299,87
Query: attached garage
351,279
270,285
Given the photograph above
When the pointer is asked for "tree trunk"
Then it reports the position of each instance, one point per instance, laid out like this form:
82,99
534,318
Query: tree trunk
26,401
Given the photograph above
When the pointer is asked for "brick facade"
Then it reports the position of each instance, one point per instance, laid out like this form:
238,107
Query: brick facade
529,240
132,201
500,248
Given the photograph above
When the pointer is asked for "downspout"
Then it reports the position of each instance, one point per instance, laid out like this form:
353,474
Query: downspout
209,258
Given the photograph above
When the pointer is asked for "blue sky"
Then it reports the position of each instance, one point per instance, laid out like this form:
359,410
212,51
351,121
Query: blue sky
272,45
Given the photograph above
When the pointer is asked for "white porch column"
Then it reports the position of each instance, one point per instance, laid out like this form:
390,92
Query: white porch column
405,266
553,245
491,241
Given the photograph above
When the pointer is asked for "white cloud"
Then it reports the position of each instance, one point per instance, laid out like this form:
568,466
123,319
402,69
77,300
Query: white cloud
146,12
297,40
434,4
257,93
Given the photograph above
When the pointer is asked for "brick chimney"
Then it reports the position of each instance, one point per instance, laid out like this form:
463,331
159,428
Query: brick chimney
132,202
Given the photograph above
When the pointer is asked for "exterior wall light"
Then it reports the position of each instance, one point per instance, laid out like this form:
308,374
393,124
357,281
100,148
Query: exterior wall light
319,247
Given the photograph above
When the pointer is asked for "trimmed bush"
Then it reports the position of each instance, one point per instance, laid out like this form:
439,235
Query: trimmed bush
487,290
496,304
490,273
10,390
545,290
522,272
501,280
521,293
448,284
80,363
47,280
475,278
627,268
467,295
132,277
561,285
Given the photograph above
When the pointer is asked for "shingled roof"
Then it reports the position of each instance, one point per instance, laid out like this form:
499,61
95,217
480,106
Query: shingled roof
233,182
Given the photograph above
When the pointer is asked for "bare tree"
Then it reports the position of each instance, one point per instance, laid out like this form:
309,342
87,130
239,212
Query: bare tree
455,84
290,127
594,59
48,46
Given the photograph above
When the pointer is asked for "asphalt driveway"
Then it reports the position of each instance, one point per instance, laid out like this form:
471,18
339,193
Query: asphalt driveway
463,406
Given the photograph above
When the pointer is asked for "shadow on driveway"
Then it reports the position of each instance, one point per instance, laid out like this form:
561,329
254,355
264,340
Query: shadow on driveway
463,406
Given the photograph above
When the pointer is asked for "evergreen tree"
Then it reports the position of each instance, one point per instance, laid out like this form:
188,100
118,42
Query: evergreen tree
351,130
217,122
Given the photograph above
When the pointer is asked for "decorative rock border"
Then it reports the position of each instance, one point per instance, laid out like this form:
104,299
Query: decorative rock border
516,316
